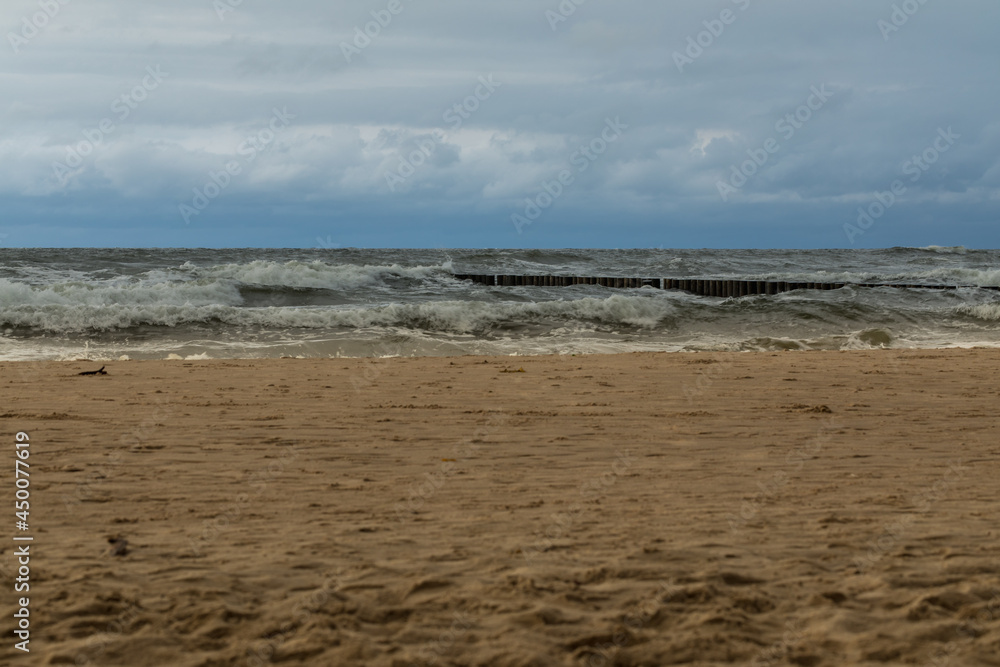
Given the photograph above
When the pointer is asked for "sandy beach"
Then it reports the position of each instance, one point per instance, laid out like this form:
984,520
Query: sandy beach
806,508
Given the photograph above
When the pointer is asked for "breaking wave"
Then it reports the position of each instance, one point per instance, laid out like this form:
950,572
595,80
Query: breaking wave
351,301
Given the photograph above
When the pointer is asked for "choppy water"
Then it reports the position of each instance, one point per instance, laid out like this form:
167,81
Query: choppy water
103,304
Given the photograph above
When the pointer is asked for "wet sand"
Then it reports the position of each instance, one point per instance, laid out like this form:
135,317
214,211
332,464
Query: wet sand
808,508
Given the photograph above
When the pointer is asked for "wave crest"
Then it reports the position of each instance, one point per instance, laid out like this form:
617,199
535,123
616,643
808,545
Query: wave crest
461,317
989,312
314,275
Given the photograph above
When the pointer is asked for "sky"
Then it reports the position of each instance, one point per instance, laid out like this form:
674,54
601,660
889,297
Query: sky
514,123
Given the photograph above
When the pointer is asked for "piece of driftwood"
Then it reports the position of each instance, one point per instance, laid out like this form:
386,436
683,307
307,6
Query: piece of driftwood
99,371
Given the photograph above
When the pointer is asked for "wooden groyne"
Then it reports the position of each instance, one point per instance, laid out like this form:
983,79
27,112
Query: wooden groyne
719,288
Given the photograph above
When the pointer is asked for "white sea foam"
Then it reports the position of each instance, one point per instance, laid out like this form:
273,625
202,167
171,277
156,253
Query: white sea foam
56,315
989,312
946,250
315,275
132,293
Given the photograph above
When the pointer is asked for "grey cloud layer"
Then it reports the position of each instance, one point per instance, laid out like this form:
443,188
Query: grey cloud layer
355,122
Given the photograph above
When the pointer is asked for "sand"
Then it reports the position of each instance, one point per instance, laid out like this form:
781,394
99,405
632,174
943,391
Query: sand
806,508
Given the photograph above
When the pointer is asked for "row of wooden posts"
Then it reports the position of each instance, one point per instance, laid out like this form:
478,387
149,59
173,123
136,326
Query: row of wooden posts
719,288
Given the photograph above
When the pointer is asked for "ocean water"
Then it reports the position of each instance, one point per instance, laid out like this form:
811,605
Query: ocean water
152,304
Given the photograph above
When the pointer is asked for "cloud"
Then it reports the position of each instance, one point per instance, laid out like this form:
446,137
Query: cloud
356,121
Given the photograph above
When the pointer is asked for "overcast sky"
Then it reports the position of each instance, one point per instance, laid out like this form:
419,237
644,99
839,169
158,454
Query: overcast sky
669,123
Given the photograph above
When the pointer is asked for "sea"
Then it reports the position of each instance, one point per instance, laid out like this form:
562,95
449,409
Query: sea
118,304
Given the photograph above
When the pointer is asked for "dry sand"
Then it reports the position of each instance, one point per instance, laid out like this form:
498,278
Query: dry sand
823,508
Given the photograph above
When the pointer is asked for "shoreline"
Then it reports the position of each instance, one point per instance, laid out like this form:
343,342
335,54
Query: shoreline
175,358
827,508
